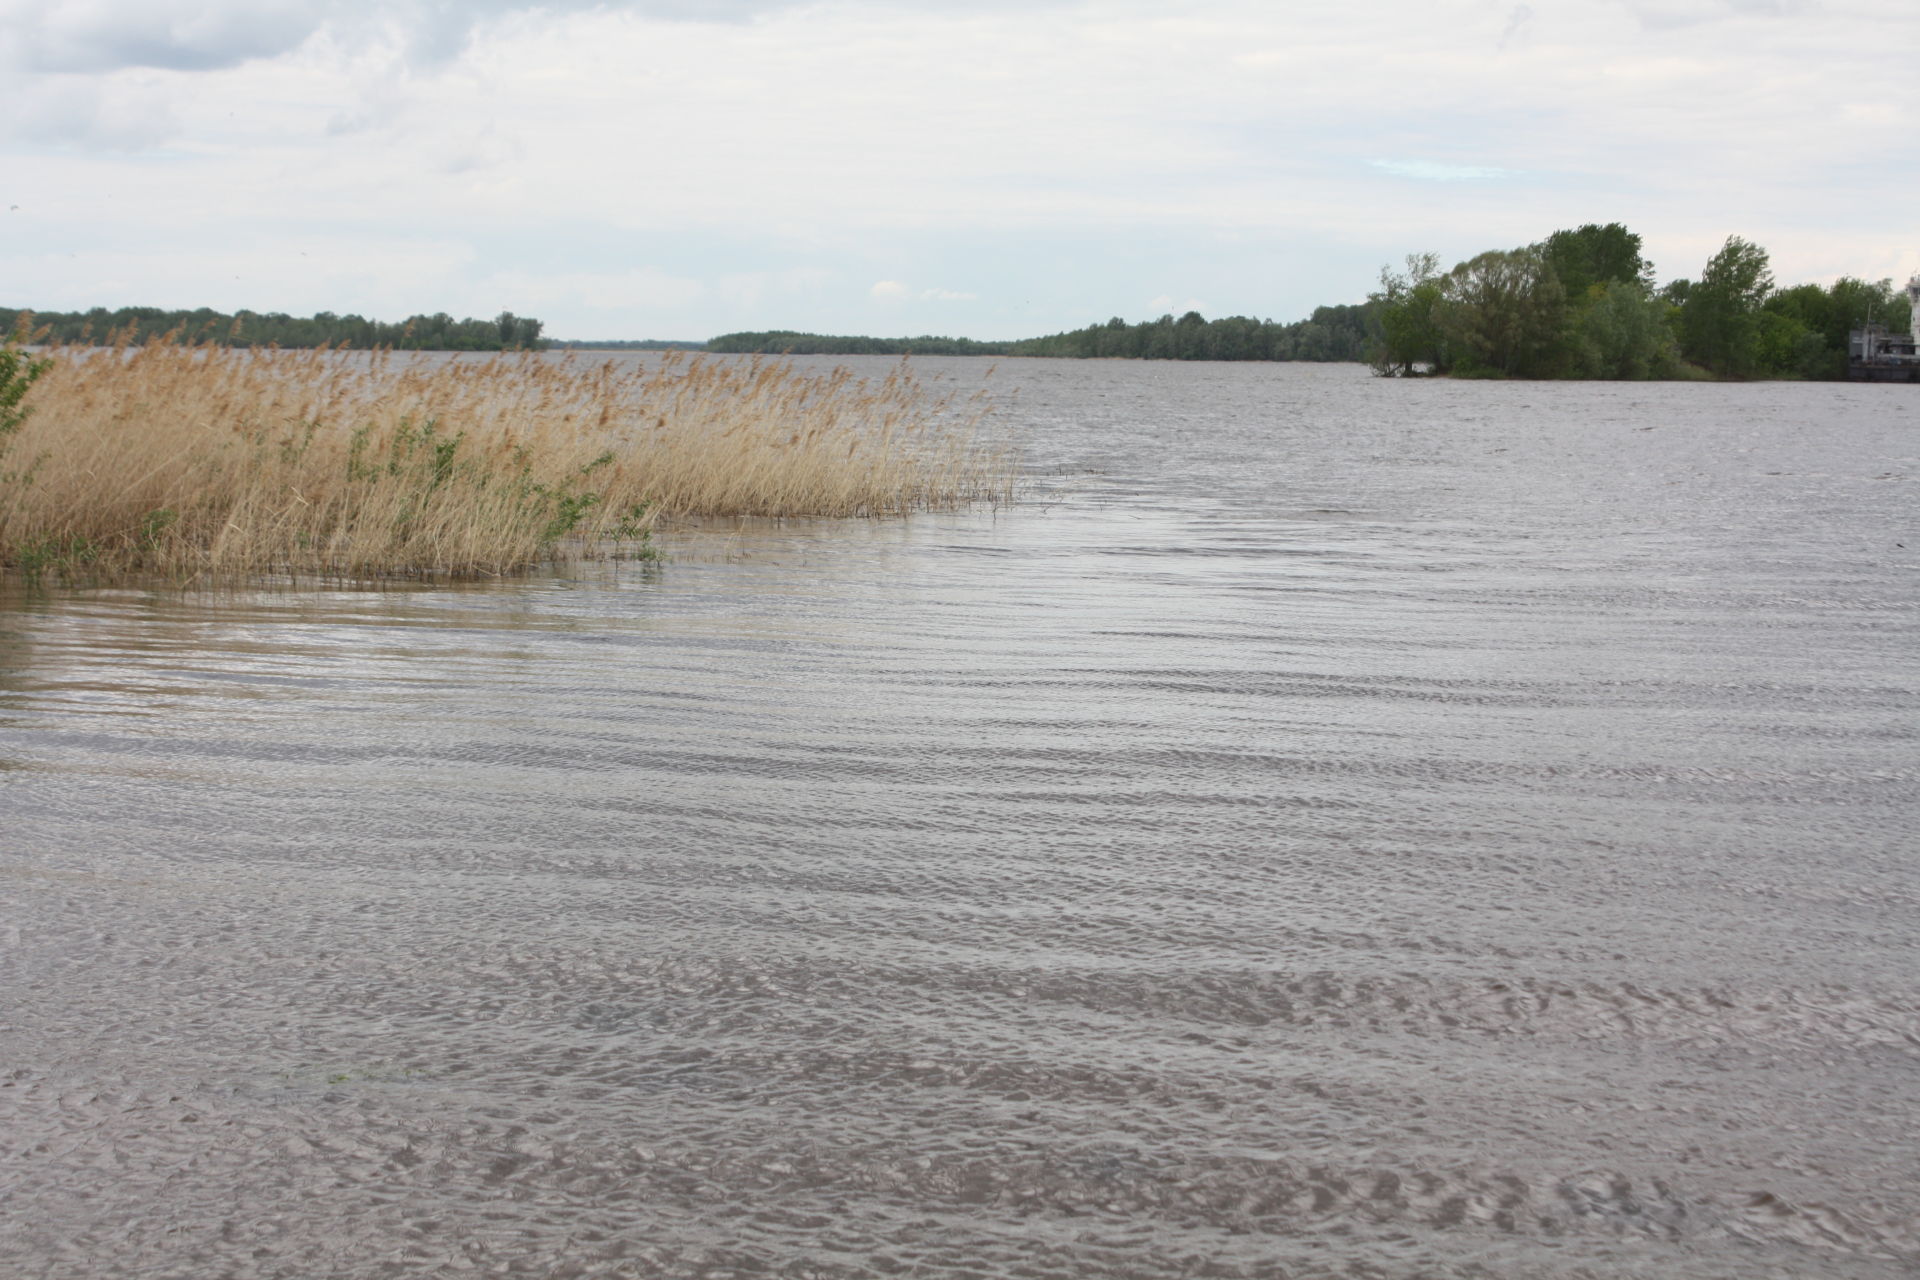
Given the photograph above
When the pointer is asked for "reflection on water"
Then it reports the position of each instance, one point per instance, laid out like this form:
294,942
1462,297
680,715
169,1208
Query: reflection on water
1336,827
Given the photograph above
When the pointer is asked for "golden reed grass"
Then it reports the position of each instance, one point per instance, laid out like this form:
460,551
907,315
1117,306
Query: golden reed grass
202,462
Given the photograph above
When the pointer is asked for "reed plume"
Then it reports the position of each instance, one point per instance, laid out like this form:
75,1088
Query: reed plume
194,462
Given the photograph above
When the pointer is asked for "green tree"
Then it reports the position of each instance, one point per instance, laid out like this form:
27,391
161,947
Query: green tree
1592,255
1784,346
1405,330
1623,333
19,370
1818,348
1854,304
1505,313
1720,317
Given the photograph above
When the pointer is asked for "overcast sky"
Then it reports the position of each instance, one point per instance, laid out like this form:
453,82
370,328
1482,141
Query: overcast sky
680,168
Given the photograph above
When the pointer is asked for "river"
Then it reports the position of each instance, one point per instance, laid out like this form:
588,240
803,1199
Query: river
1331,826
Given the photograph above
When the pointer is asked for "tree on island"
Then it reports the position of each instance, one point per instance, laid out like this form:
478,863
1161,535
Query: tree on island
1582,304
1720,320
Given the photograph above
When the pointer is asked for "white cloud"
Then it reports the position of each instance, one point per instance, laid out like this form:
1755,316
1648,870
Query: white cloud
1436,171
644,290
1667,14
1516,29
89,113
102,35
747,292
899,291
384,277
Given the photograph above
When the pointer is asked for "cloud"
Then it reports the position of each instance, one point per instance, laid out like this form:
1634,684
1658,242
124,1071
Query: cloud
108,35
1666,15
90,115
643,289
1516,24
90,36
1435,171
227,268
748,291
735,144
899,291
105,35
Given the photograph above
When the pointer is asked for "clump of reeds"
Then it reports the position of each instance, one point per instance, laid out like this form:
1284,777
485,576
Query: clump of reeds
193,462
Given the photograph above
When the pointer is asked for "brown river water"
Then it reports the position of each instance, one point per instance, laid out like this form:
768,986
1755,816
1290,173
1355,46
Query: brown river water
1332,827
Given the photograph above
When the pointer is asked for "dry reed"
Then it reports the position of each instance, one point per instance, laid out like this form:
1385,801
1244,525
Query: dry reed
212,462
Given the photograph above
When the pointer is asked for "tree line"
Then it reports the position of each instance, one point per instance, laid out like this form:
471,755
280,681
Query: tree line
788,342
1331,333
623,344
1583,303
437,332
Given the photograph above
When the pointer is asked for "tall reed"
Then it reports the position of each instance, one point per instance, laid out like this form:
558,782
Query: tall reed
205,461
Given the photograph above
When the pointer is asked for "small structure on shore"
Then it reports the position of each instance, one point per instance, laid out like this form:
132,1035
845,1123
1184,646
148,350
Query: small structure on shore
1875,355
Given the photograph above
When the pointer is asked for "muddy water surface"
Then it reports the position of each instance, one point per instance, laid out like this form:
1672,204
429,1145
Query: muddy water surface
1334,827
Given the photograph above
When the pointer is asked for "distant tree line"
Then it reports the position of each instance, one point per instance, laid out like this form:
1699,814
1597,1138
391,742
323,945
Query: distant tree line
785,341
624,344
1332,333
1584,304
437,332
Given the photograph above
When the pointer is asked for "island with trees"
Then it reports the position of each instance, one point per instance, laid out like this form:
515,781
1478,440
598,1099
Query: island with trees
1584,304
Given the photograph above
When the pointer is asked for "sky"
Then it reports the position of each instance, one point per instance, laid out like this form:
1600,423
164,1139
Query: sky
982,168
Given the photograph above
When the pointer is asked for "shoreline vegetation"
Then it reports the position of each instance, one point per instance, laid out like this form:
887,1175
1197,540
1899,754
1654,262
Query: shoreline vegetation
626,344
130,325
208,463
1583,304
1331,334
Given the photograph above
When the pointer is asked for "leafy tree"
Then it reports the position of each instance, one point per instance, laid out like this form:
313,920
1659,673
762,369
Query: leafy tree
18,372
1623,333
1815,345
1785,346
1856,304
1720,325
1809,304
1406,332
1591,255
1505,313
